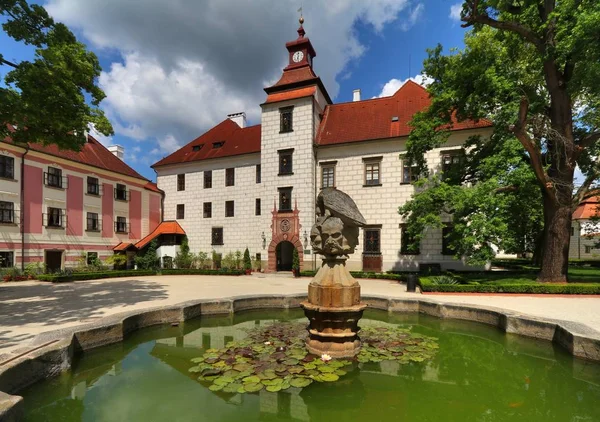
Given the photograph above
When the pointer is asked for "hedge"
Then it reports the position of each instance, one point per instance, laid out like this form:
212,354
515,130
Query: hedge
62,278
360,274
426,285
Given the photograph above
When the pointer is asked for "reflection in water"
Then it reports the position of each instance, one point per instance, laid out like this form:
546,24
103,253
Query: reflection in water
478,375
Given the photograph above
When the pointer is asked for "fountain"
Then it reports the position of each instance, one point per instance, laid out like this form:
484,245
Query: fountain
333,307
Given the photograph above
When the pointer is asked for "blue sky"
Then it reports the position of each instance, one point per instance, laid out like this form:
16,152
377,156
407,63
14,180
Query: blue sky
171,73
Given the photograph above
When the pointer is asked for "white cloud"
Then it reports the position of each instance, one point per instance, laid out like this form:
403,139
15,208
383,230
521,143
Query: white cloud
186,65
104,140
394,85
413,17
455,10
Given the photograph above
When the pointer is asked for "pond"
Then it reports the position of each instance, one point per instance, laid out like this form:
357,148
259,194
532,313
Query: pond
477,374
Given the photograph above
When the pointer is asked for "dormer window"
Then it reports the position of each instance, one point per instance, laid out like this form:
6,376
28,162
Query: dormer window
197,147
218,144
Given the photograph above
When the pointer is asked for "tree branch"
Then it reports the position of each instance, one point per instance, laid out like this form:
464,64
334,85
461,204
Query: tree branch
585,187
6,62
515,27
534,154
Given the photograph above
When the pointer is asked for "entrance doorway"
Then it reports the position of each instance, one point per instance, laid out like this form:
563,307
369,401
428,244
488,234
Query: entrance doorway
285,256
53,261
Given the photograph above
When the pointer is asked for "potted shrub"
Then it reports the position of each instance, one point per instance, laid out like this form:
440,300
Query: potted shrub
296,263
247,262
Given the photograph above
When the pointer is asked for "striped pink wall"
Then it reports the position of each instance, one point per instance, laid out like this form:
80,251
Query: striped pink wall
33,199
135,214
75,206
154,215
107,210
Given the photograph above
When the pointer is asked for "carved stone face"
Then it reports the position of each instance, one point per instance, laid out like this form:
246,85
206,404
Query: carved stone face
331,236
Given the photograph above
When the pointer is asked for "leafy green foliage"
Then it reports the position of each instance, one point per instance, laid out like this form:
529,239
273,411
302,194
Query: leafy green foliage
247,260
295,260
183,257
45,99
274,358
444,280
147,259
118,260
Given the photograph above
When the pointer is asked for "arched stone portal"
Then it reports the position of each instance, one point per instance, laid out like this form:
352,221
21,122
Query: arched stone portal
284,256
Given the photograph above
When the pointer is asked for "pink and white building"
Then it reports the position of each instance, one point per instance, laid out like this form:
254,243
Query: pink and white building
57,206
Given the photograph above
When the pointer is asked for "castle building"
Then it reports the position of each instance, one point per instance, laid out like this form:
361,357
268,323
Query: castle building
61,208
239,186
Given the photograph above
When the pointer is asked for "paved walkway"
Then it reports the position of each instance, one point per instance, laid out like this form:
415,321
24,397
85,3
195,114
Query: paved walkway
30,308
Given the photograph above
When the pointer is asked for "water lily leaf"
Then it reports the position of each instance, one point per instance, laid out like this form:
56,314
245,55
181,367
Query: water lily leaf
231,373
295,370
291,362
232,388
241,367
300,382
274,388
253,387
309,366
251,379
340,372
329,377
326,369
216,387
198,360
269,374
336,364
211,371
312,372
211,360
195,369
285,385
223,380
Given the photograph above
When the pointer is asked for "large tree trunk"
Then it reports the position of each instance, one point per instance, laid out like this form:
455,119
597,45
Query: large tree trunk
557,235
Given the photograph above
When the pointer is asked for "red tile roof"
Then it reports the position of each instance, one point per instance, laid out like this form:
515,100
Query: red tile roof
237,141
166,227
291,95
123,246
93,153
588,208
372,119
153,187
293,76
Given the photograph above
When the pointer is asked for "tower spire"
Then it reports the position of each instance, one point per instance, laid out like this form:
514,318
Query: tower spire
301,31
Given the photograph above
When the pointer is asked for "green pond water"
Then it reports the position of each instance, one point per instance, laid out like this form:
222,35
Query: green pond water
479,374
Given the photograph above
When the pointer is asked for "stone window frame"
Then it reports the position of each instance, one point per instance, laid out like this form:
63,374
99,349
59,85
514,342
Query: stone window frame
588,248
7,167
284,154
93,186
328,165
207,179
7,212
180,212
257,207
282,191
372,229
54,178
230,176
121,225
207,210
229,212
55,218
405,240
216,236
413,175
258,173
286,119
180,182
7,259
121,192
457,157
372,161
95,225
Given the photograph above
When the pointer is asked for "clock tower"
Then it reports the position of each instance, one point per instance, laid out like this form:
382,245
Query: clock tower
290,120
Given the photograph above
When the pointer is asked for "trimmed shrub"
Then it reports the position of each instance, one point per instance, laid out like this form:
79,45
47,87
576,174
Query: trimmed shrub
66,277
247,260
427,285
360,274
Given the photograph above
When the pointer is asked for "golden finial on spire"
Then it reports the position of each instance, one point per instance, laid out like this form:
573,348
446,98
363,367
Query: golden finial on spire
301,20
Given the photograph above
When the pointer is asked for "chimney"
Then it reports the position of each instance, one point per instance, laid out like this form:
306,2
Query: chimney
239,118
117,150
356,95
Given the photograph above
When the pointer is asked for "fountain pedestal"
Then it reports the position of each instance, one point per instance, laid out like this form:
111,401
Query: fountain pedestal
333,309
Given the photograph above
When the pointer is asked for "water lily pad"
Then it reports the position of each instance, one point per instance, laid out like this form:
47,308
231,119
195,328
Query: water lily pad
253,387
269,374
241,367
274,388
253,379
295,370
300,382
198,360
291,362
326,369
195,369
232,388
340,372
328,377
309,366
216,387
223,380
231,373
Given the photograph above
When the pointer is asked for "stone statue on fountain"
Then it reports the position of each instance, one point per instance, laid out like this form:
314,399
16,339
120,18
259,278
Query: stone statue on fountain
333,307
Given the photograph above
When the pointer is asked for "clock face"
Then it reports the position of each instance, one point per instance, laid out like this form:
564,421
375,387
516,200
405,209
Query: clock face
298,55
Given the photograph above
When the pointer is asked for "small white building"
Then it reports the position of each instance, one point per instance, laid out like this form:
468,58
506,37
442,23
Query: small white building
239,186
585,231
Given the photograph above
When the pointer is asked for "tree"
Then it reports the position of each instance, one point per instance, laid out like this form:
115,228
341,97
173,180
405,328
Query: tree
531,67
44,100
183,257
247,260
147,260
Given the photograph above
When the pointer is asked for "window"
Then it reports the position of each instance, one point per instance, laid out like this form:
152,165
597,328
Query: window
180,211
258,175
92,258
408,245
121,193
372,172
7,259
588,249
230,177
7,212
229,209
121,225
452,163
208,179
409,172
285,161
219,144
572,231
285,119
54,177
93,186
7,167
54,217
197,148
93,224
257,208
285,199
207,212
446,238
372,243
217,236
328,176
180,182
258,256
